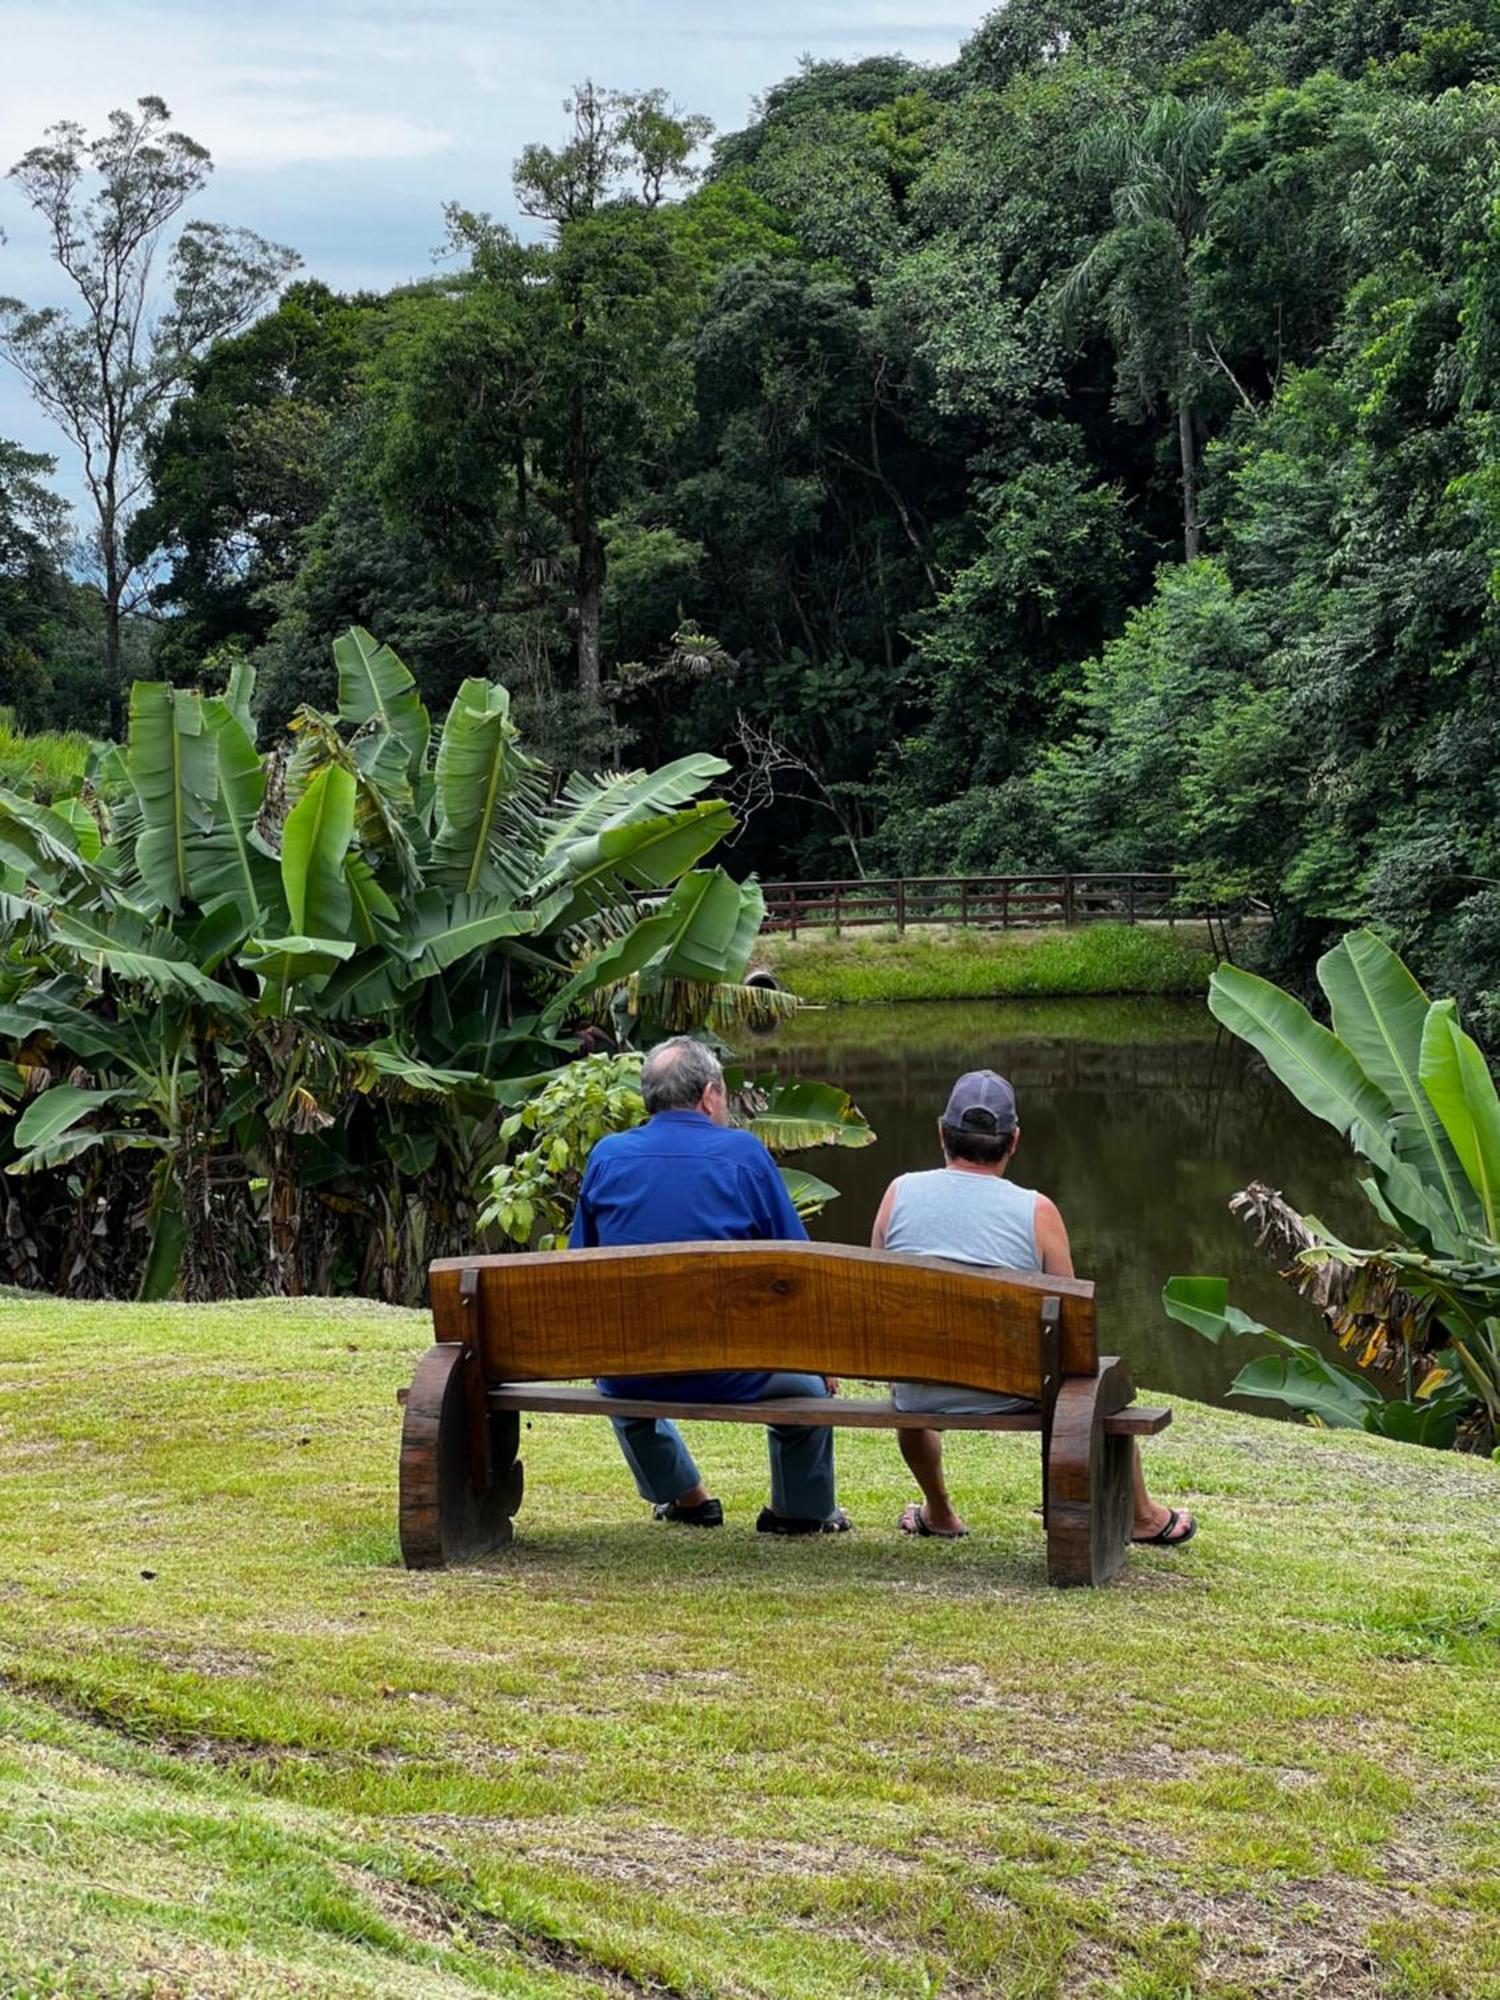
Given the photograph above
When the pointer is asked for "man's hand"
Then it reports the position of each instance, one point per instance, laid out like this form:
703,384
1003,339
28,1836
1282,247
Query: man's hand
831,1383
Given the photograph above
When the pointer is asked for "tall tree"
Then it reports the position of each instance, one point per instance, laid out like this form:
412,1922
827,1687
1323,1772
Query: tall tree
33,589
1138,276
106,368
608,289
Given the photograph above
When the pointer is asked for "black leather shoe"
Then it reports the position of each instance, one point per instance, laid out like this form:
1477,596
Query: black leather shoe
771,1523
707,1513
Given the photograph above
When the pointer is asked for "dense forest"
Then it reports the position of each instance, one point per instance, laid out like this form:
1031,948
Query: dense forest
1083,454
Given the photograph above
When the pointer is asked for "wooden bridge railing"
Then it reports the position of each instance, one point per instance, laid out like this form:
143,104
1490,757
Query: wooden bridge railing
1003,901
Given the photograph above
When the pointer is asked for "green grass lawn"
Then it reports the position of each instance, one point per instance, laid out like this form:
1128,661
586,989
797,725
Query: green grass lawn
244,1753
942,964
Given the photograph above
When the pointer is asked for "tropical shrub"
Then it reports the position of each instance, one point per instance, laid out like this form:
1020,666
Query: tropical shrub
261,1014
534,1190
1413,1094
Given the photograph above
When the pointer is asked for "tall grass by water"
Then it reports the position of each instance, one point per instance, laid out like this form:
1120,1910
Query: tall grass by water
44,766
978,964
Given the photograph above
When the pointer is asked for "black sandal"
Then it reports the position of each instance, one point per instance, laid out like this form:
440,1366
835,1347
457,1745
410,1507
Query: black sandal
1164,1538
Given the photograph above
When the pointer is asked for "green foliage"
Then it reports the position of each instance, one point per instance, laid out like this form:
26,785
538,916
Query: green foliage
266,1017
1414,1096
47,766
534,1190
866,459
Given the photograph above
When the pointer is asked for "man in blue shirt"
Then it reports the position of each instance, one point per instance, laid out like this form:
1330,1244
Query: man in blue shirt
686,1176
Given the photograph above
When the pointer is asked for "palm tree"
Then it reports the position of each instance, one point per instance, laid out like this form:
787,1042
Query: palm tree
1137,280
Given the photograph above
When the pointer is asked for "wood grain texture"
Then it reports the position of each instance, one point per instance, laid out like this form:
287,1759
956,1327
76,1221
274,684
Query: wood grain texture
830,1412
1141,1420
820,1307
1090,1504
443,1517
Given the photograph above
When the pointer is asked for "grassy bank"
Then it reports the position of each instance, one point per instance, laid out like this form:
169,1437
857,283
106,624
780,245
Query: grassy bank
245,1754
938,964
43,766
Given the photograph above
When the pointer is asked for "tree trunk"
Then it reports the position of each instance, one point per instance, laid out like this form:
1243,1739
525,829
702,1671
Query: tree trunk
590,597
114,588
1188,451
589,590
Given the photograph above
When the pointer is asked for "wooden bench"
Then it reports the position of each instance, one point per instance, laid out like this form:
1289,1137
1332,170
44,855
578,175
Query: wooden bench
511,1332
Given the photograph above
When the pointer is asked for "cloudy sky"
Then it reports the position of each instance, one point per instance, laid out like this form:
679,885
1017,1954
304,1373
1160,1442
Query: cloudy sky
341,126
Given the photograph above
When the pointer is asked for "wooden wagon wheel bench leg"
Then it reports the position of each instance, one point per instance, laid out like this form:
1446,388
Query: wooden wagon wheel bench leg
455,1508
1089,1497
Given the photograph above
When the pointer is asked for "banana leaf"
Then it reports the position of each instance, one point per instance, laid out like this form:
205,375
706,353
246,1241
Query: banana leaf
230,859
122,942
375,686
314,841
1303,1380
374,918
1297,1375
1456,1078
703,932
51,1008
1379,1013
283,965
788,1117
43,845
590,804
809,1195
440,933
489,796
239,693
73,1145
1203,1304
57,1111
1310,1060
645,854
174,769
84,826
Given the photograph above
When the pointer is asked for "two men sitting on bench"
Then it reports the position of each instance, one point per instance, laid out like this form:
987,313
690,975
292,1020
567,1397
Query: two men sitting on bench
687,1175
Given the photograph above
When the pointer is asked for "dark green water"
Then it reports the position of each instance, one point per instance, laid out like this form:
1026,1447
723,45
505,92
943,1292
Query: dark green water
1139,1117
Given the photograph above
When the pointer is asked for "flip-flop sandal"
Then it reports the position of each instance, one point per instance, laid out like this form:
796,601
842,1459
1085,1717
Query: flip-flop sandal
1166,1536
914,1522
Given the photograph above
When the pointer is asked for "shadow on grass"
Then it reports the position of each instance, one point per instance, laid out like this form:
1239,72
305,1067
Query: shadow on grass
809,1571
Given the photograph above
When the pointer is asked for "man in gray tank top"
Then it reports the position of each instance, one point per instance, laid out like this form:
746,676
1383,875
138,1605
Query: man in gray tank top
968,1210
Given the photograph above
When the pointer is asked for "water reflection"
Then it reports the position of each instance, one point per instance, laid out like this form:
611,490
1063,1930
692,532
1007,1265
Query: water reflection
1139,1118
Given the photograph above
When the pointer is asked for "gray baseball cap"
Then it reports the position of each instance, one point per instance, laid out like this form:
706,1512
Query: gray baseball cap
981,1101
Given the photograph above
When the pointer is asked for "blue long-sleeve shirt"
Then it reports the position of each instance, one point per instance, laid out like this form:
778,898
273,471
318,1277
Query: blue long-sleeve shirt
679,1178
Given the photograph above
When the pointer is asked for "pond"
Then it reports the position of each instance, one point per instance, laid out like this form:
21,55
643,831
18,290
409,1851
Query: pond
1140,1118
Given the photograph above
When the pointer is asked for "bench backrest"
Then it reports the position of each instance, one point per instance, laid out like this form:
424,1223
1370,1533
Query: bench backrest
822,1307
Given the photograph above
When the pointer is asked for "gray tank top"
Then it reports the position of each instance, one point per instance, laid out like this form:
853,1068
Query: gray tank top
973,1218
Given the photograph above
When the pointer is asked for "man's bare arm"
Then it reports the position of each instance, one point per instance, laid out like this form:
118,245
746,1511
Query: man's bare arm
883,1216
1052,1239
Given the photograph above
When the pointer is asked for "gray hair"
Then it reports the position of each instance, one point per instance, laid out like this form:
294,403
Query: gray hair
676,1073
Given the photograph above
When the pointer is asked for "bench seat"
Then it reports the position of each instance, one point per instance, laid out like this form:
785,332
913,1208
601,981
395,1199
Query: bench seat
531,1333
567,1399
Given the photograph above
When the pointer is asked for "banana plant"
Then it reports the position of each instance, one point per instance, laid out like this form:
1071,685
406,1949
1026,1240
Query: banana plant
532,1192
296,988
1412,1093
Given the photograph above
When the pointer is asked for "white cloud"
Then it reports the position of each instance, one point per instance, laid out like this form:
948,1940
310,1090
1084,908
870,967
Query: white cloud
260,89
340,126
